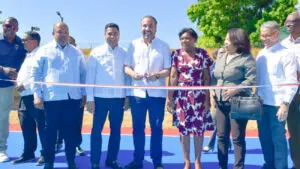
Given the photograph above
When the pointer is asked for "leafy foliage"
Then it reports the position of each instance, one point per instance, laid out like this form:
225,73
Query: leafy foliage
215,17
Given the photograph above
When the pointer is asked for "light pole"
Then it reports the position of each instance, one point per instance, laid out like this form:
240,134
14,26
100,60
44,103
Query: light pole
0,14
34,28
61,18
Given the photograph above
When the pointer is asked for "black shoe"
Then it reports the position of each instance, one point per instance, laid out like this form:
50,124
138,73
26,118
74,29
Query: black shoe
58,147
23,159
72,165
41,161
133,165
113,164
80,151
48,166
95,166
158,166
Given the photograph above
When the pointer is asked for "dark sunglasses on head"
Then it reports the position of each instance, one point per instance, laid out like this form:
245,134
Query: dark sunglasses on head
9,26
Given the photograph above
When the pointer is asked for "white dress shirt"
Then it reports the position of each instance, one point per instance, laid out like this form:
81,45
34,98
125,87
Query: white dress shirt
276,65
145,59
294,46
56,64
24,75
106,67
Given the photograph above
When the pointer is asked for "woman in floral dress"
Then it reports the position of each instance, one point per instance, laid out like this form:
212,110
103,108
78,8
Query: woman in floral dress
190,108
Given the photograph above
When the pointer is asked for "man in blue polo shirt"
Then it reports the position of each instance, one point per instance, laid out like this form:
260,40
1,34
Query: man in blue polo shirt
12,55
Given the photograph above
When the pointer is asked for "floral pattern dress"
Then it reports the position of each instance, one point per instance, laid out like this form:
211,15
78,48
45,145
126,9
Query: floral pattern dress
189,115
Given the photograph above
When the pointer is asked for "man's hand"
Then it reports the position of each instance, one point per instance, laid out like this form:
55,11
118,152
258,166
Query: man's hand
152,76
38,103
20,88
10,72
137,76
91,107
83,101
282,113
126,104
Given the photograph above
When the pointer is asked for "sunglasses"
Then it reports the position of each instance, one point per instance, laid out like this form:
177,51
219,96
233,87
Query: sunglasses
9,26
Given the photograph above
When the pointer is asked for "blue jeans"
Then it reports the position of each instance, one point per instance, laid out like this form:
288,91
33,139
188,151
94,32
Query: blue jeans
115,108
155,107
272,139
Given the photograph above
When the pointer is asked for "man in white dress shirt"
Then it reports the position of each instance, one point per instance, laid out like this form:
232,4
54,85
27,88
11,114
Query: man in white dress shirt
275,65
29,116
292,42
58,61
148,64
106,67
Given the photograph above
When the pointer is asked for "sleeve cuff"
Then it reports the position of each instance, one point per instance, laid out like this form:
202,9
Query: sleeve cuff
37,95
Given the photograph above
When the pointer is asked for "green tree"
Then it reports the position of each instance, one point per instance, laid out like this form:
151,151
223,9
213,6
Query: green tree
278,12
215,17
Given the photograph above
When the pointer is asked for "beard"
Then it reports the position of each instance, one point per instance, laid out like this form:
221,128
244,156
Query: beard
148,35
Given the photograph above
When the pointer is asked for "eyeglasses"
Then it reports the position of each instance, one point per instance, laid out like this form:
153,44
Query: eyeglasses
291,22
268,35
9,26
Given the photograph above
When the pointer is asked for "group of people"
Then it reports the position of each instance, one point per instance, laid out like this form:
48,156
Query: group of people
147,63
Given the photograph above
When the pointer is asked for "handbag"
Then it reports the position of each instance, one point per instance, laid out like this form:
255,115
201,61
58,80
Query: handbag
247,108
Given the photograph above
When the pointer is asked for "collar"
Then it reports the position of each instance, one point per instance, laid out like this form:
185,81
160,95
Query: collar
109,48
153,41
294,40
17,39
57,45
273,48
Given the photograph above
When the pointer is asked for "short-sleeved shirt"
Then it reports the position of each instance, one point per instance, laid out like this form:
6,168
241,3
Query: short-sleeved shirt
293,46
11,55
145,59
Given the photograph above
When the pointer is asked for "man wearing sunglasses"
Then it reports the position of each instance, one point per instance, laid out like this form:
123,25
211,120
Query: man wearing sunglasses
12,55
292,42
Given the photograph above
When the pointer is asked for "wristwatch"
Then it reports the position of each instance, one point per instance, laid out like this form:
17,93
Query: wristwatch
286,104
157,76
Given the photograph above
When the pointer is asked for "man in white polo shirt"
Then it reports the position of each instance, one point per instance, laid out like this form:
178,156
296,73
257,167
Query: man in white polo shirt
148,64
274,65
292,24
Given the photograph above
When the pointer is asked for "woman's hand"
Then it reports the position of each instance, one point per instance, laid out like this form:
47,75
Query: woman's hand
170,105
228,94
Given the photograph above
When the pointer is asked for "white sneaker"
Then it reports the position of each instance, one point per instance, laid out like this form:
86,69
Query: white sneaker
3,157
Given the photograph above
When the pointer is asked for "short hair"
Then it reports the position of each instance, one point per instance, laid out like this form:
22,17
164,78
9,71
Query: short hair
191,31
151,17
12,19
296,13
112,25
270,25
34,35
240,40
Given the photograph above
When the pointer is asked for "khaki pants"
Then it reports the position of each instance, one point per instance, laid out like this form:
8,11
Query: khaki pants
293,122
6,101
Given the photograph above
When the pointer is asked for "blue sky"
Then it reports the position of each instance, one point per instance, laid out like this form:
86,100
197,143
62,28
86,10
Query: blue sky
86,19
